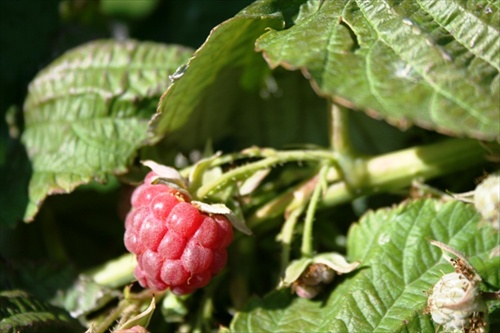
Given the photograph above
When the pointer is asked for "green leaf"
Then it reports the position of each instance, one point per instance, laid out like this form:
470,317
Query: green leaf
86,113
226,91
387,293
20,312
173,308
85,296
429,62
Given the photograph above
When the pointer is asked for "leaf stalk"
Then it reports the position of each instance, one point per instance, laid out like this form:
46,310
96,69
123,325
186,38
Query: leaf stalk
307,236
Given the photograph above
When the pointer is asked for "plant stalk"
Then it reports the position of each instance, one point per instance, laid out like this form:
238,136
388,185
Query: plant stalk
339,130
389,172
115,273
112,317
307,248
247,170
286,236
399,169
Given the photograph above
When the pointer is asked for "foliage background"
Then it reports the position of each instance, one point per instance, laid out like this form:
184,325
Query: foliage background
74,232
55,27
71,232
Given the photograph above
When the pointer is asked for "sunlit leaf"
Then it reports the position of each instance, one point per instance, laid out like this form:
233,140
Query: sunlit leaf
226,91
433,63
86,113
387,293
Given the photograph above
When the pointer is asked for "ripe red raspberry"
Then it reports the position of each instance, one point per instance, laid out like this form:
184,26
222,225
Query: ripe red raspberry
177,246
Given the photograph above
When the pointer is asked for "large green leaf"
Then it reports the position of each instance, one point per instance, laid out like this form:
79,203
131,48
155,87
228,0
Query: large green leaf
429,62
20,312
86,113
227,91
398,267
84,296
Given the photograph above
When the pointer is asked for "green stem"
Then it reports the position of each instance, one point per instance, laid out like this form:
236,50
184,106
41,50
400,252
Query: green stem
112,317
399,169
339,130
307,236
115,273
268,162
198,170
290,199
390,172
286,236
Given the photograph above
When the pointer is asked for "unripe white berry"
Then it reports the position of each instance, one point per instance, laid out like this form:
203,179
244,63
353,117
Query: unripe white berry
454,300
487,199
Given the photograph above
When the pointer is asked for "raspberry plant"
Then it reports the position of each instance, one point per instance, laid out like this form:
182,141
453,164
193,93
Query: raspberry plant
337,138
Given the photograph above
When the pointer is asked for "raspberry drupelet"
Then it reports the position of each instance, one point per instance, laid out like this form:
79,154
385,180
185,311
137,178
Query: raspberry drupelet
176,245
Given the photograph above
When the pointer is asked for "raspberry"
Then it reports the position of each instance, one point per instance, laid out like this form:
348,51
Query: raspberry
176,245
487,199
455,303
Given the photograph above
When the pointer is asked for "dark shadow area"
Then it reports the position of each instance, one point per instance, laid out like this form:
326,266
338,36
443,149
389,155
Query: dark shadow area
15,174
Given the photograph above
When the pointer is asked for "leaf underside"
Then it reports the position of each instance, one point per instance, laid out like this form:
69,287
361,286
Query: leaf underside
429,62
20,312
387,293
227,92
86,113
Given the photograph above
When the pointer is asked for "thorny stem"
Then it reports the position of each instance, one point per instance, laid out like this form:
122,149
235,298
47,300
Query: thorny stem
307,236
399,169
273,160
127,309
286,235
392,171
286,201
112,317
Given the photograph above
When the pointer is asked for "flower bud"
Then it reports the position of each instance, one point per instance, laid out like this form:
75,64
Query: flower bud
455,302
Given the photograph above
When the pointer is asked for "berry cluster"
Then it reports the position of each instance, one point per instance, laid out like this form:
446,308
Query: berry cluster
177,246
